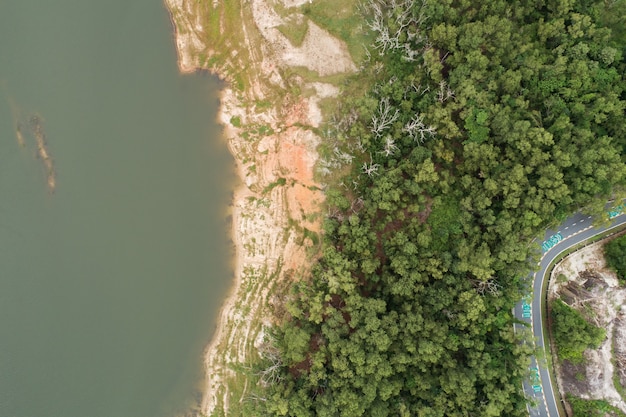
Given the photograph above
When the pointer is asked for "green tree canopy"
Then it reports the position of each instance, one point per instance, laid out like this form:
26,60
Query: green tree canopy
615,255
573,334
486,122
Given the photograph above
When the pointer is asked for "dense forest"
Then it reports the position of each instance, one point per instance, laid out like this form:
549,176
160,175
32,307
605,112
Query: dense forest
486,121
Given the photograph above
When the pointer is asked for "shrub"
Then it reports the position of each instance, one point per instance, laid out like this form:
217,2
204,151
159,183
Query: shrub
572,333
615,255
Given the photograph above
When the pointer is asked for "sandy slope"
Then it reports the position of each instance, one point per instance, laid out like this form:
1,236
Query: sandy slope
268,219
606,298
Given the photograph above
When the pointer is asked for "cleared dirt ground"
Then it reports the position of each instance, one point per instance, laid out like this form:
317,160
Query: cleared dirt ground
583,281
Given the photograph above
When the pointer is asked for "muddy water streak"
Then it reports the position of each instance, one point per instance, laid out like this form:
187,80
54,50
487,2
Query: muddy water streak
108,286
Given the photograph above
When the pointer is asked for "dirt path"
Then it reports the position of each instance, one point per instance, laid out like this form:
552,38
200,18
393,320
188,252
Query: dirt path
269,131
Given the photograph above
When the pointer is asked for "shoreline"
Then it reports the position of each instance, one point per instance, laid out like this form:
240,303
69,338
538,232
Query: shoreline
228,305
276,207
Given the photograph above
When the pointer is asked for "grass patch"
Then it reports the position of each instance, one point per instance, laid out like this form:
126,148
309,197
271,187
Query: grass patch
223,34
309,234
235,121
592,408
343,20
312,76
265,130
295,31
615,255
262,104
279,182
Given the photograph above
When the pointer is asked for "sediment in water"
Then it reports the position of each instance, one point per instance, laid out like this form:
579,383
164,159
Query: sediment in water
19,135
36,127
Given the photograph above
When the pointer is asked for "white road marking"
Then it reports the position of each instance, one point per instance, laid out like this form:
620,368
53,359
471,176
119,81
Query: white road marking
532,327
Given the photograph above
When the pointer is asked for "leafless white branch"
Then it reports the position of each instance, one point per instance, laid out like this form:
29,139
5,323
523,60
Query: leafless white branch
487,287
418,130
384,117
370,169
390,146
444,92
397,24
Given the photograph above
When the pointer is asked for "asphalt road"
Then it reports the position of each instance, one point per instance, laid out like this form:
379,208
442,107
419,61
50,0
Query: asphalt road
572,231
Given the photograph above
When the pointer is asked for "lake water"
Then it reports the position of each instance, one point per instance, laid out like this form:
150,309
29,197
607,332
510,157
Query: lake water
109,287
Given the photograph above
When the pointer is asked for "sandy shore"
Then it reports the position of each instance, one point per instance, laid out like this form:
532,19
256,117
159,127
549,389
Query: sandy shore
276,208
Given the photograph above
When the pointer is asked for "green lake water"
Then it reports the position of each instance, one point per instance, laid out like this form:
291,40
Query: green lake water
110,286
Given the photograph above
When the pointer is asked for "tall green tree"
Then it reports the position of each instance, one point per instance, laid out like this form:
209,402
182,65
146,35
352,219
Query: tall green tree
486,122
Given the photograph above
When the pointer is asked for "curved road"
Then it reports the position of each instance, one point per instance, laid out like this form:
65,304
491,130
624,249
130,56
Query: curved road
572,231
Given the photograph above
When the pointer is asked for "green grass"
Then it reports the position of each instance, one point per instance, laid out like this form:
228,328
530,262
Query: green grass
295,31
279,182
262,104
235,121
616,379
313,76
343,20
592,408
315,239
223,34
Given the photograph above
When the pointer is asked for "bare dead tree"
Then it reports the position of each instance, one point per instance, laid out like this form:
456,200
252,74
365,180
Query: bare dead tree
271,374
335,213
332,212
419,90
390,147
413,125
449,314
487,287
328,132
357,204
418,130
324,167
343,157
356,146
255,397
343,123
368,56
384,117
444,92
352,117
324,171
370,169
406,34
384,40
